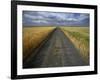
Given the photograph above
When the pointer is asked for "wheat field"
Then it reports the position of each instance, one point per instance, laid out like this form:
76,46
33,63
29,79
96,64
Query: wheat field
32,37
80,38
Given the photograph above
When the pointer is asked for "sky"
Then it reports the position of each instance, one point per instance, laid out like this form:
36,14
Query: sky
44,18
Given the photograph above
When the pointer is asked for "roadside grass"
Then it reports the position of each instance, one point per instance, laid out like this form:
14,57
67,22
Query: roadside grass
32,37
80,38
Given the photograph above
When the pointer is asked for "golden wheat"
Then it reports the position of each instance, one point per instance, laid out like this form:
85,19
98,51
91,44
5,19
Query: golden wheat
32,37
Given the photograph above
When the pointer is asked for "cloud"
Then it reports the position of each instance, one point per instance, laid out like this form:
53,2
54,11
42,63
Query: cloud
53,18
83,16
33,16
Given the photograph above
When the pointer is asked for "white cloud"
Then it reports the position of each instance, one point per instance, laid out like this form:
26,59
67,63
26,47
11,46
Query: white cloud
83,16
33,17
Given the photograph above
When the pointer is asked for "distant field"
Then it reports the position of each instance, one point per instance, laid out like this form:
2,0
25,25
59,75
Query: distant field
32,37
80,38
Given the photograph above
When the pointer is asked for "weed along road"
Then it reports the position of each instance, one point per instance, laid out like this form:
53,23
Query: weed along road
57,51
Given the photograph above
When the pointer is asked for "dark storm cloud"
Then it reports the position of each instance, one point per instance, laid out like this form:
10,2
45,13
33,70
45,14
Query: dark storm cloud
39,18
